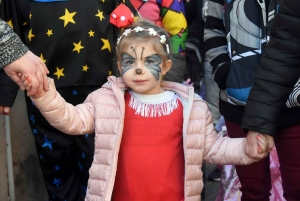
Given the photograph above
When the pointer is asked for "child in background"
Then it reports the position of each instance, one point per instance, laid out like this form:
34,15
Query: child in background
151,135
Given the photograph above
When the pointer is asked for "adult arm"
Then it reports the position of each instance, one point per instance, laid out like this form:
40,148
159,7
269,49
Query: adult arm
278,72
215,42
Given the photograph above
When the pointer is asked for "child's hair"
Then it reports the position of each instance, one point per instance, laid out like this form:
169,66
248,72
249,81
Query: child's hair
158,38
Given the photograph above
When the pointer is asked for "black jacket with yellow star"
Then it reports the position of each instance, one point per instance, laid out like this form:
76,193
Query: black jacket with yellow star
74,38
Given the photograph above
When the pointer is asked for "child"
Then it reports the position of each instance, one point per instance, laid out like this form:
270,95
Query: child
151,135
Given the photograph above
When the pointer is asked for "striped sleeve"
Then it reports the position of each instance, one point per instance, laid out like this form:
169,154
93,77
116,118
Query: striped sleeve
214,37
11,46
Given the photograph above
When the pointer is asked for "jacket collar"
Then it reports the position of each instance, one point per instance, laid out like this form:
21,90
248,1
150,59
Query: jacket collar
178,88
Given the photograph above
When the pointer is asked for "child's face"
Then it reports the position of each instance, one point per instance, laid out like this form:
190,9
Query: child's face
142,68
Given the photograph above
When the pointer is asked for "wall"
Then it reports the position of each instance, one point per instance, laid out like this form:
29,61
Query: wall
29,184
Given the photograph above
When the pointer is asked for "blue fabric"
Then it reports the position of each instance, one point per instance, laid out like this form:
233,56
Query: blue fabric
239,94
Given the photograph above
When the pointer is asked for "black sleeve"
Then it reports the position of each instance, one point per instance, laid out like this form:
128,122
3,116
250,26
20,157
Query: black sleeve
8,90
278,72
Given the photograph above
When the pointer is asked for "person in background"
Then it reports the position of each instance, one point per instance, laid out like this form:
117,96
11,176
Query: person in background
235,35
135,160
196,18
16,58
75,40
273,104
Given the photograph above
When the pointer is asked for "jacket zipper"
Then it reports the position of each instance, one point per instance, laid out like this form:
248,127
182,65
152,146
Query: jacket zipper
187,112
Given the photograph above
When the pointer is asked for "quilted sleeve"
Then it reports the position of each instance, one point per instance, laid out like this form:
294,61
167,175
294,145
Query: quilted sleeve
223,150
65,117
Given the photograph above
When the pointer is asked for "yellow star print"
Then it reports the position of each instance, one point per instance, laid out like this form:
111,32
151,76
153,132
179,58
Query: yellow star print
85,68
91,33
30,35
77,47
100,15
30,15
42,58
59,72
102,1
49,32
106,44
109,73
68,17
25,23
10,23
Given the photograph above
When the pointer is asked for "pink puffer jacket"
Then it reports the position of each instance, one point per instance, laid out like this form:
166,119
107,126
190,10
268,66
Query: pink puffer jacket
103,113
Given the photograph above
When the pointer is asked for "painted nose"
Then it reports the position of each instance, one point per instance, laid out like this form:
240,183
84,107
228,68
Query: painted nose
138,71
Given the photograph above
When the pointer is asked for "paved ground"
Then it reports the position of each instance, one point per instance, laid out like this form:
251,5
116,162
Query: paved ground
211,187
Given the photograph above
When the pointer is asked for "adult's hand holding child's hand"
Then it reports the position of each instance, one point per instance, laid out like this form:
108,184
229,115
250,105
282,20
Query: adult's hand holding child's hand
258,146
34,67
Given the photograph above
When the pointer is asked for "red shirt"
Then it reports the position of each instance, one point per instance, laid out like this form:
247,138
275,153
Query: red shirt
151,159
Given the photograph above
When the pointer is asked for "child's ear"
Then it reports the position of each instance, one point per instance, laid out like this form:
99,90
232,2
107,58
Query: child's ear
167,66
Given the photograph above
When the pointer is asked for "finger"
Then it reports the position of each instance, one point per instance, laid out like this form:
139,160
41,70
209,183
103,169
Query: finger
23,77
17,80
22,88
262,139
45,68
45,82
44,71
28,87
34,86
262,147
259,150
6,110
26,80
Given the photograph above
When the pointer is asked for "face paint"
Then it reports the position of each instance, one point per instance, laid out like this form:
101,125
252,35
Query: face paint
133,49
127,62
142,52
152,62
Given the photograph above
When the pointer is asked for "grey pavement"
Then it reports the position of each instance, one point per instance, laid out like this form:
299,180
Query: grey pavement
211,187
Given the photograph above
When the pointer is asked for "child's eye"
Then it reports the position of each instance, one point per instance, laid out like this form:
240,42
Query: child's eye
149,61
129,62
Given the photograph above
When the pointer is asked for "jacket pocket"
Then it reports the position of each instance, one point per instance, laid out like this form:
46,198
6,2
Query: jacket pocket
240,80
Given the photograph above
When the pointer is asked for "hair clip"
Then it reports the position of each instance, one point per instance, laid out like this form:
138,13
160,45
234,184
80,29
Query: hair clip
121,17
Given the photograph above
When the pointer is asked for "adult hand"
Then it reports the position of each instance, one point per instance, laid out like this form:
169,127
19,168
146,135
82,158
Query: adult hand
34,67
4,110
251,148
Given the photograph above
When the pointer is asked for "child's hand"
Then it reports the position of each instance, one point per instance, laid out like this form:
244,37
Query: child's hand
27,86
257,145
262,143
